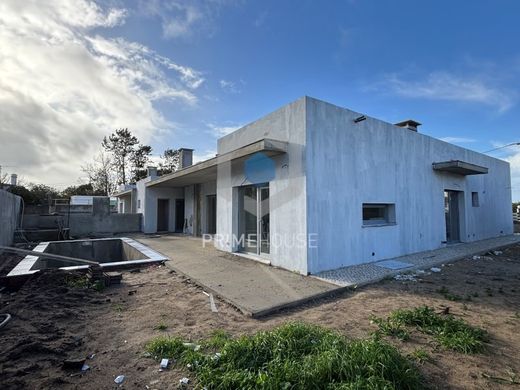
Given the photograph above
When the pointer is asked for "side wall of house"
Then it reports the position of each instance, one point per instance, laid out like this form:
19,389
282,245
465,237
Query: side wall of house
191,204
287,189
373,161
147,200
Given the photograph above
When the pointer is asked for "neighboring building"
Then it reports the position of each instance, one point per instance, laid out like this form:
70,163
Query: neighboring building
314,187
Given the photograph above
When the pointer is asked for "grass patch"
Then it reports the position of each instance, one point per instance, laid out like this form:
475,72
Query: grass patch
390,327
160,326
81,281
450,332
450,296
421,356
292,356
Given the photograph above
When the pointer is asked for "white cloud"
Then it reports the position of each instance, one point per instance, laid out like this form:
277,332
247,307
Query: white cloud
222,130
181,18
449,87
457,140
63,87
231,86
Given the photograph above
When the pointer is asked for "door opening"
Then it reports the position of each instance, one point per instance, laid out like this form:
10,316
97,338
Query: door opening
163,214
179,215
211,214
452,216
254,230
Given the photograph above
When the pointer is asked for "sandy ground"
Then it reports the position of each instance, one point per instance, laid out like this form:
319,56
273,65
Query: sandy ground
53,322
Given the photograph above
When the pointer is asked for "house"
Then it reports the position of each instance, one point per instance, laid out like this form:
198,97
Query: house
313,187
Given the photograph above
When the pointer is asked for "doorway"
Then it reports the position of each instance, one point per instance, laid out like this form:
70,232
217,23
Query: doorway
211,214
163,215
452,215
254,218
179,215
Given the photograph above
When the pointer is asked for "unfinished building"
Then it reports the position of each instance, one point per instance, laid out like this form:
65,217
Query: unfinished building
313,187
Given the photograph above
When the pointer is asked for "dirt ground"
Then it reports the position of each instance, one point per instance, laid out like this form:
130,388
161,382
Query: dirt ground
52,322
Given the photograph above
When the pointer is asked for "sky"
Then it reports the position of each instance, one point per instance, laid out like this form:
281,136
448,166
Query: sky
182,73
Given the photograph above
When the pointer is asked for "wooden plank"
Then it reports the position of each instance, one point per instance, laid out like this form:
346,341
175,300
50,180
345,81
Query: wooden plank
48,256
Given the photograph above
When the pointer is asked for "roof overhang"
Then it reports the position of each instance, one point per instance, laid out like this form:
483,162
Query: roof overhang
123,193
206,171
460,168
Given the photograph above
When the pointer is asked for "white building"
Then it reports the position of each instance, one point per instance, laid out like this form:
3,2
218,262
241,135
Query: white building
312,187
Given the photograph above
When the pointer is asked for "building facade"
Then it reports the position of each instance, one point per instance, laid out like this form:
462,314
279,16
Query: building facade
313,187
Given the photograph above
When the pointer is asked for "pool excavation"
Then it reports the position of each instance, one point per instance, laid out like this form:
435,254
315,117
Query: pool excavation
110,253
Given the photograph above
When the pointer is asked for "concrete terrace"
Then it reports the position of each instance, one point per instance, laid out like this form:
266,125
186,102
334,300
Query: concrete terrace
258,289
254,288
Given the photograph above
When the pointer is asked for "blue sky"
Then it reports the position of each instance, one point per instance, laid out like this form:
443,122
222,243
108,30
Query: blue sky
452,65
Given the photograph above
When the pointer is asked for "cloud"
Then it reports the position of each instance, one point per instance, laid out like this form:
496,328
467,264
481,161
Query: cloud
181,18
222,130
449,87
457,140
231,86
64,86
203,157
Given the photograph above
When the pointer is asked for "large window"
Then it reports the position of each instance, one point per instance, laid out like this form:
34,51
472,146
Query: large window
377,214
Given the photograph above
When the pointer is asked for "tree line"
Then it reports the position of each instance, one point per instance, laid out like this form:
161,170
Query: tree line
123,159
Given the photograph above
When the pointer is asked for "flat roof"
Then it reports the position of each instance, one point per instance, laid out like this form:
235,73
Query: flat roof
207,170
123,193
460,168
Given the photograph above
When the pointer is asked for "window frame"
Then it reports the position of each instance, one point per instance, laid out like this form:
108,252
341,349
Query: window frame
388,218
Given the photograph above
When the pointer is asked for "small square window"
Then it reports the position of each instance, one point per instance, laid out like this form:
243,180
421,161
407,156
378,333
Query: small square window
378,214
139,203
474,199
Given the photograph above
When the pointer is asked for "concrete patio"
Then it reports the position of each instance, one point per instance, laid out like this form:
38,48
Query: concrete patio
254,288
258,289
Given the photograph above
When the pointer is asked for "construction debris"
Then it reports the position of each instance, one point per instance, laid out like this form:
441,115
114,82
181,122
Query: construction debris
435,269
119,379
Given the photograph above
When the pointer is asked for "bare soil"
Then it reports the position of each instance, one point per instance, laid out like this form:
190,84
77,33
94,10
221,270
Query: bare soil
53,322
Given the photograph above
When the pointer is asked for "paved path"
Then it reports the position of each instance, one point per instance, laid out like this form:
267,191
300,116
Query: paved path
358,275
254,288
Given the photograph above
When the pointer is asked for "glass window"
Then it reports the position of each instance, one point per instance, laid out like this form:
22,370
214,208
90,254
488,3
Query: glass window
474,199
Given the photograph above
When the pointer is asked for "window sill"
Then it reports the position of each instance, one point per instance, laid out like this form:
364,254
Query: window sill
379,225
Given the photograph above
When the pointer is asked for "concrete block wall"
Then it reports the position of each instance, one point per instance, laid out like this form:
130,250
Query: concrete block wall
9,216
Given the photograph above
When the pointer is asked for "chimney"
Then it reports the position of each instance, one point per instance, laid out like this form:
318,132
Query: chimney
409,124
14,179
185,158
151,171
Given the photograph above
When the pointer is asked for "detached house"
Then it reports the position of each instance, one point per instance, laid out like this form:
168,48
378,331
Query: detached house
313,187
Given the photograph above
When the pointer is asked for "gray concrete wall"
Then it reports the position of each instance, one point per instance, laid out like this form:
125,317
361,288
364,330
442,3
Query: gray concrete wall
376,162
91,224
9,215
150,213
287,190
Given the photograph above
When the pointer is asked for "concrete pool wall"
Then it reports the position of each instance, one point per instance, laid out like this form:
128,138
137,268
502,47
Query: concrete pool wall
111,253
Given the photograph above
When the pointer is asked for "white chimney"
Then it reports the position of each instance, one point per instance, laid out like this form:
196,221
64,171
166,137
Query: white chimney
14,179
151,171
409,124
185,157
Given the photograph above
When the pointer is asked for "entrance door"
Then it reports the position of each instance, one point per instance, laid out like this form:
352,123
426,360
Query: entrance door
163,214
211,203
179,215
254,232
451,212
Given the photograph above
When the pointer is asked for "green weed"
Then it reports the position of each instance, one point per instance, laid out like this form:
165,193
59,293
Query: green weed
292,356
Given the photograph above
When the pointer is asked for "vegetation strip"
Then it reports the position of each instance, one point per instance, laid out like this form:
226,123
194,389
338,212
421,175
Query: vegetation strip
453,333
292,356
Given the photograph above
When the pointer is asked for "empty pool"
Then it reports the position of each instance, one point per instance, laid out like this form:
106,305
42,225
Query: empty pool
111,253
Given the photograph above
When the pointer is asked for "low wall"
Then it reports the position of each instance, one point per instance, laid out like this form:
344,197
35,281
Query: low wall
9,212
92,224
100,221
